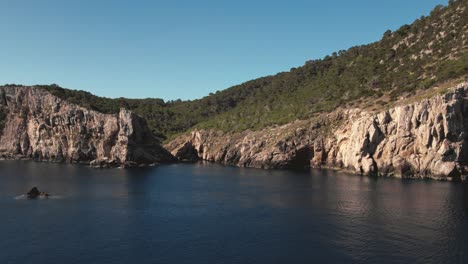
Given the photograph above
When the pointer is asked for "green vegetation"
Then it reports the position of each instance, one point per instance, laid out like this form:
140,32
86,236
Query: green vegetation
431,50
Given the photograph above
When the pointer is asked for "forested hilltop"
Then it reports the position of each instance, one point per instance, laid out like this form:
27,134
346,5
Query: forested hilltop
430,51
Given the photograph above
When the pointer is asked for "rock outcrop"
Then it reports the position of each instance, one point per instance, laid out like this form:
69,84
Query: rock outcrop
35,193
425,139
34,124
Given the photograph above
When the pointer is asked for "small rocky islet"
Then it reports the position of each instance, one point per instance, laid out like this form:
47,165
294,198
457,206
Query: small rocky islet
34,193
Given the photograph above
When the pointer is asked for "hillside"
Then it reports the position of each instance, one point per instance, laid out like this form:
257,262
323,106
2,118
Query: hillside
428,52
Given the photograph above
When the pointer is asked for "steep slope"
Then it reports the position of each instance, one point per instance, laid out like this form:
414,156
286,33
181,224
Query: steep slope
37,125
422,139
378,109
415,57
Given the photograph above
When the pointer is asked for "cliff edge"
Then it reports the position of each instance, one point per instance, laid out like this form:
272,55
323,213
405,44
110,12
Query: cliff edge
35,124
424,139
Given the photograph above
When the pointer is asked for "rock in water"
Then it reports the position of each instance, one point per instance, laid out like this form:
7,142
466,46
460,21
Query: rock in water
35,193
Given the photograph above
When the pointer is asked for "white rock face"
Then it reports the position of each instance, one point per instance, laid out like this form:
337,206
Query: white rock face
38,125
423,139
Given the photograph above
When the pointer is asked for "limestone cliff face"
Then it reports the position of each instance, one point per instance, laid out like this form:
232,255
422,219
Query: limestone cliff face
37,125
424,139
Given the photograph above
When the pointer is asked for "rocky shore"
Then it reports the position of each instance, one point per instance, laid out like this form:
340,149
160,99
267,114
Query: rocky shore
424,139
37,125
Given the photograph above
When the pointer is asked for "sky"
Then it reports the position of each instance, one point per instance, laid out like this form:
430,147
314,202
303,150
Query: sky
181,49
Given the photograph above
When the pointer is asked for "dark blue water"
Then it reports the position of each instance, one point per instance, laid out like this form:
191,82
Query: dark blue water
214,214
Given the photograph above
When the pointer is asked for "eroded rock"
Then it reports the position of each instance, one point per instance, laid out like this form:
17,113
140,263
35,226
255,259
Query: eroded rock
43,127
422,139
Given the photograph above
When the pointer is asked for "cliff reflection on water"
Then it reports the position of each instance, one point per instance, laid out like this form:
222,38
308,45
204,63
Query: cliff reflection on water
201,213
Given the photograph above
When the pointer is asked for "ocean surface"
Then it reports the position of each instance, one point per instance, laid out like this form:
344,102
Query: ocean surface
205,213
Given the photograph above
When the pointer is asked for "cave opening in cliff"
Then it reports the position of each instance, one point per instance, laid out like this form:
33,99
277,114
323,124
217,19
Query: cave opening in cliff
302,158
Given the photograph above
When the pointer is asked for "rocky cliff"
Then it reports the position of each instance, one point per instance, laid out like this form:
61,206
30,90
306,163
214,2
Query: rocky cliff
425,139
37,125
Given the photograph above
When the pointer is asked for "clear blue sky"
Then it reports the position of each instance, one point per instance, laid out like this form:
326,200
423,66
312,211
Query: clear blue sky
181,49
